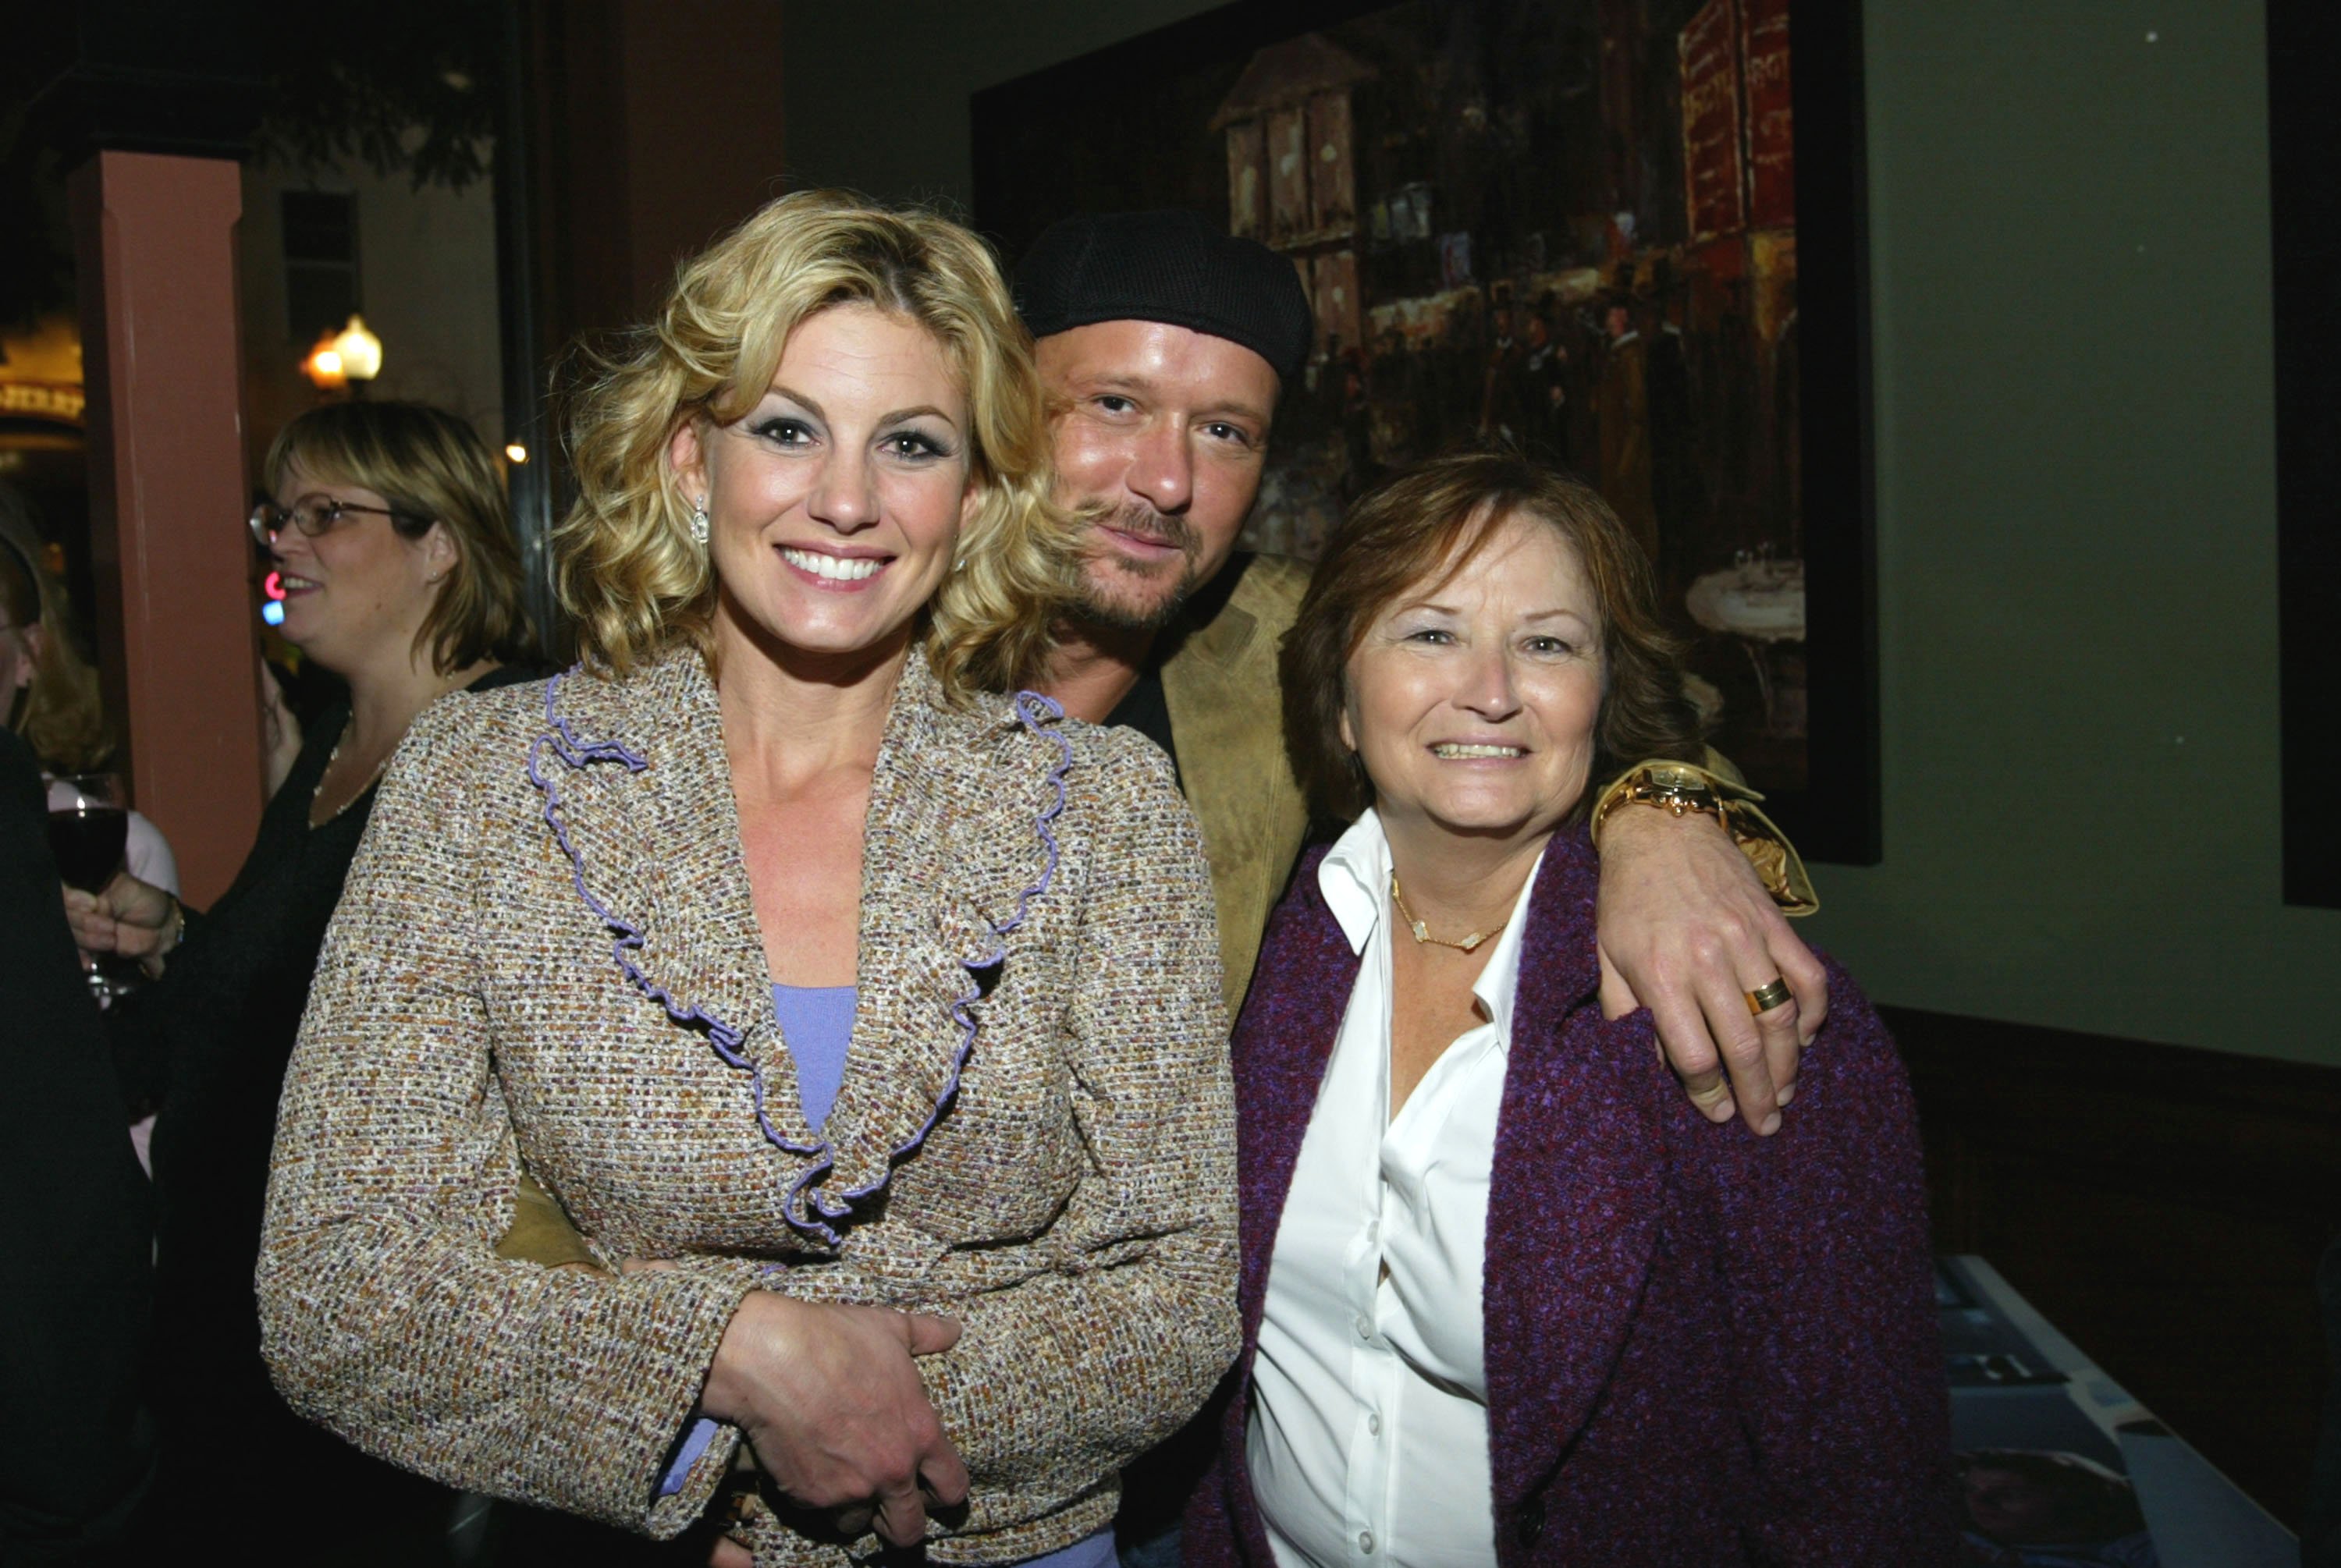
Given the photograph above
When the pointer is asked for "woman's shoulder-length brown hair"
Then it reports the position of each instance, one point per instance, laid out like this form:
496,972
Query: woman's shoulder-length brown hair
1416,530
432,467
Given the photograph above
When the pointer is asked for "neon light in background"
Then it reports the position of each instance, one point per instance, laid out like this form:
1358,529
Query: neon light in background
271,600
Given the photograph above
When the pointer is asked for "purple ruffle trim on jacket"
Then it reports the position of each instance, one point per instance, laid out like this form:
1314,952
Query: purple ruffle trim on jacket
1031,709
578,754
808,1211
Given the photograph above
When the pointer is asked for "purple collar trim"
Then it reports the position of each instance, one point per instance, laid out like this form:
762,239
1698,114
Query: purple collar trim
812,1212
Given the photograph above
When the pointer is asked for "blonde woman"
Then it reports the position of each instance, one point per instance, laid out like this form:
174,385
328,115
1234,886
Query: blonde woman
778,941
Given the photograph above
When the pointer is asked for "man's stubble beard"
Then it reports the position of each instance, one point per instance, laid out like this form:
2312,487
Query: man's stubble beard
1100,605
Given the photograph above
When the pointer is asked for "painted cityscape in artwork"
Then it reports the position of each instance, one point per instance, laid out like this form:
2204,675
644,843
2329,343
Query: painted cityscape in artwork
1566,225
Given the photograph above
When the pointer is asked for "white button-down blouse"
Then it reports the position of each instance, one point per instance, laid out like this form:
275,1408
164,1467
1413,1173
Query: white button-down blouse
1367,1441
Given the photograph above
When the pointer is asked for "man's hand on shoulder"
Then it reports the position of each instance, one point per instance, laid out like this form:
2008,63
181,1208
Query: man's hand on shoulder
1688,930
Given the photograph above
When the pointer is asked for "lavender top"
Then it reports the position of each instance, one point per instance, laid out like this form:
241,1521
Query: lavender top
817,1025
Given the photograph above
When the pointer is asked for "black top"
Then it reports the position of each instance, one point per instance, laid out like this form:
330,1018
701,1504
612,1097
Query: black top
209,1043
73,1221
1145,709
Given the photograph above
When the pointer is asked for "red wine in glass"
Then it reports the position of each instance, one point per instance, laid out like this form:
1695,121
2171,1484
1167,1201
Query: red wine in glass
88,843
89,829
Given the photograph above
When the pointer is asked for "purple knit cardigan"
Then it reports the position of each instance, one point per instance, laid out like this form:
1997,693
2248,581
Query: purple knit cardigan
1702,1346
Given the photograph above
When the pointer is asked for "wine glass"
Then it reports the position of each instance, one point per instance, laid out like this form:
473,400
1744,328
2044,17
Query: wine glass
89,834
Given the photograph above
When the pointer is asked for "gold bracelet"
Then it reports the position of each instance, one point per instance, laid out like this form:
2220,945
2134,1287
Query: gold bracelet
1681,789
1685,791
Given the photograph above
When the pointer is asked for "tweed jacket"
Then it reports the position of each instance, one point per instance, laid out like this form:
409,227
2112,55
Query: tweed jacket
548,953
1220,682
1703,1347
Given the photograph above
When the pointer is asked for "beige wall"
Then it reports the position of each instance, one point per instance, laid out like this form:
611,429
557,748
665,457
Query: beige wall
427,271
2077,531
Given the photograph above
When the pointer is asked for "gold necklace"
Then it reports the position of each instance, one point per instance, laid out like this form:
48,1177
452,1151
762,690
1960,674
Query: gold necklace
333,757
350,728
1422,932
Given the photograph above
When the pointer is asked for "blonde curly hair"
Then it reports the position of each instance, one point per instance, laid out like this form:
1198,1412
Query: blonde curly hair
626,567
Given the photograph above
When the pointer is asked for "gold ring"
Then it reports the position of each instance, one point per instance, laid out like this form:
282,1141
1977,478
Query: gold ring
1768,995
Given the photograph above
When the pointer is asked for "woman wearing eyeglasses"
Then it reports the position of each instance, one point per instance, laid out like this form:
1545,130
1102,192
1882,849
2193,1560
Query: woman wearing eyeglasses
388,525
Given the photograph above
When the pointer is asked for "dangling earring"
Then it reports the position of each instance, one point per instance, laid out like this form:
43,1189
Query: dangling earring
699,522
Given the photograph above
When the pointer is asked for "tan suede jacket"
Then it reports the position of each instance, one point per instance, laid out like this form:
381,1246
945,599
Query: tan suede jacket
547,953
1220,683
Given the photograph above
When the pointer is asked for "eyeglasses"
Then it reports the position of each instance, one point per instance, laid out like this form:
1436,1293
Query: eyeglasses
314,515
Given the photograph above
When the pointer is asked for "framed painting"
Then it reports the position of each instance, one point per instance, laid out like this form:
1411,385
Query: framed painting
1624,235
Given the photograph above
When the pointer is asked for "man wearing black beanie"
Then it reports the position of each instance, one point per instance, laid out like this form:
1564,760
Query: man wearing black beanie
1164,344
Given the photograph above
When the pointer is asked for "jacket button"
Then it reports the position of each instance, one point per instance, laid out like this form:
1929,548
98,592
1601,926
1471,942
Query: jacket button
1529,1525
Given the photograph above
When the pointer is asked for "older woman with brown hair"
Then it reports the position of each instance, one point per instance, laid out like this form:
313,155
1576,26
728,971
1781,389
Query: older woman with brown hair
1507,1297
779,942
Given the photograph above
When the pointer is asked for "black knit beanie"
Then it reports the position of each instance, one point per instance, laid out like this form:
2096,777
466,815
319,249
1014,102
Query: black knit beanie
1166,266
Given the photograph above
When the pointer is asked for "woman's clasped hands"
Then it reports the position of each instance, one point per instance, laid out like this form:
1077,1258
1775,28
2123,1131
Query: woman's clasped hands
832,1403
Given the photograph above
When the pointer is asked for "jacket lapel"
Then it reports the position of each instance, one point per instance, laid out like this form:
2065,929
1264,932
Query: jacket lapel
1280,1049
1232,769
635,785
1219,737
702,917
638,783
959,849
1574,1200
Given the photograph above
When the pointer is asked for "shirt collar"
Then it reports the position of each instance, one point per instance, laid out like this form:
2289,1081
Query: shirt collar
1355,877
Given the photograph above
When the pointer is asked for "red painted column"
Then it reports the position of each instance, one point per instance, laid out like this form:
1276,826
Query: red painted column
154,244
